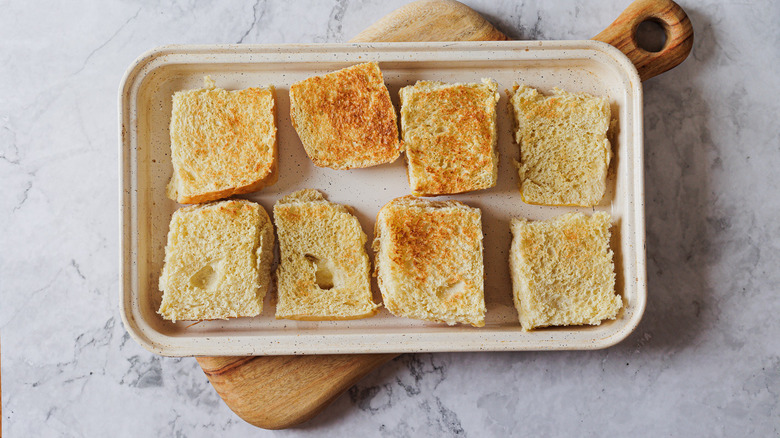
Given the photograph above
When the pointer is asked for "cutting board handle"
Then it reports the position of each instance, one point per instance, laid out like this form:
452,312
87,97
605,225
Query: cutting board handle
679,35
276,392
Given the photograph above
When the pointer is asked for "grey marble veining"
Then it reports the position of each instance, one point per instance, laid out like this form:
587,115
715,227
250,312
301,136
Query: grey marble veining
705,361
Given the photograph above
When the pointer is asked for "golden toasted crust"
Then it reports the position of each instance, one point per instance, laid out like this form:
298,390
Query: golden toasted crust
223,143
345,119
564,150
449,134
217,261
429,260
324,271
562,271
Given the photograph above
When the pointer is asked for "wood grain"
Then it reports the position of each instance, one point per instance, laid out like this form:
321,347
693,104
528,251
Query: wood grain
679,36
276,392
431,20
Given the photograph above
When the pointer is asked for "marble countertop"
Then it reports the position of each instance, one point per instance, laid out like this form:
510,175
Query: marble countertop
705,360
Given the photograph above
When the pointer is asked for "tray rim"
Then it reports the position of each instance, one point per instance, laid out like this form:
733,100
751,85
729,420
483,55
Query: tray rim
242,347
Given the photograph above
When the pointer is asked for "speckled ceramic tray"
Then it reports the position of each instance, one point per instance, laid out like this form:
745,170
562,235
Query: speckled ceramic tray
145,107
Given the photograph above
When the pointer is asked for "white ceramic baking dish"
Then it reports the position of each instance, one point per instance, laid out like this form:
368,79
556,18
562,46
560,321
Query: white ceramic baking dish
145,167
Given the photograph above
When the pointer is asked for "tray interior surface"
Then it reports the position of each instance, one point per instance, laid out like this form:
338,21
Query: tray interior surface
146,108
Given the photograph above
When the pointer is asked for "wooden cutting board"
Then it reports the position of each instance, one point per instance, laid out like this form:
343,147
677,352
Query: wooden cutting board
276,392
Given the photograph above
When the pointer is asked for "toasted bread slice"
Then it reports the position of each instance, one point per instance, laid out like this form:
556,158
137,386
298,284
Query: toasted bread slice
223,143
324,272
429,260
564,150
562,271
345,119
449,134
217,261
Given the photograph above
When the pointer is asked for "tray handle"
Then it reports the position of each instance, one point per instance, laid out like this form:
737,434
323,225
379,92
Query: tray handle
679,35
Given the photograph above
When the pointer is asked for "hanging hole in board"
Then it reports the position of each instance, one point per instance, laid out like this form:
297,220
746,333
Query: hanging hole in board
651,35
